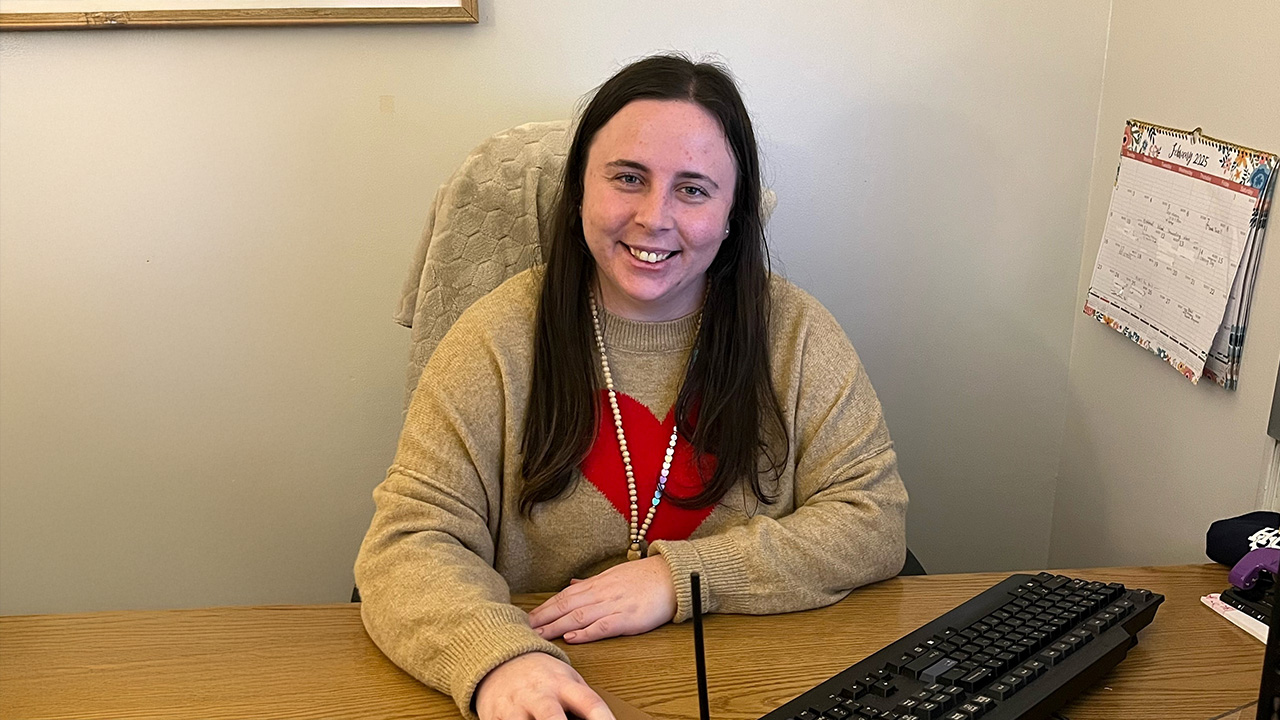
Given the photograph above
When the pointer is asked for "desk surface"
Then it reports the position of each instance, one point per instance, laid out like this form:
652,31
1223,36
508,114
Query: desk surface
317,661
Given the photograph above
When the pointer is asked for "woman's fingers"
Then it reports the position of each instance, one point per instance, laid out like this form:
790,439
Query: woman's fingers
537,686
610,625
623,600
548,710
575,619
582,701
559,605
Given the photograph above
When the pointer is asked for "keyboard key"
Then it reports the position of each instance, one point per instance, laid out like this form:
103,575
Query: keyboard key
944,700
984,701
931,674
1056,582
1001,691
1036,667
823,704
854,691
958,715
884,688
922,663
1050,657
975,679
972,710
929,709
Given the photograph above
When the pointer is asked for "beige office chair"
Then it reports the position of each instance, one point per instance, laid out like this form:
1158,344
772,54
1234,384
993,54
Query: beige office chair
487,223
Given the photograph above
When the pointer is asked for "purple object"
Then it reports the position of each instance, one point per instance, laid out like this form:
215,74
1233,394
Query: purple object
1245,574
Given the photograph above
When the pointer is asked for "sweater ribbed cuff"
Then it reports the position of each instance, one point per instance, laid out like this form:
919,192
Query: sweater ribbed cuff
484,642
717,560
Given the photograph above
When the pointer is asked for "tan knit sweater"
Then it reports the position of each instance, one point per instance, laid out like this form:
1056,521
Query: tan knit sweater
448,545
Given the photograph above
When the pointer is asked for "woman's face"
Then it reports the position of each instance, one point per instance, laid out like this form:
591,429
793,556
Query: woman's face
657,191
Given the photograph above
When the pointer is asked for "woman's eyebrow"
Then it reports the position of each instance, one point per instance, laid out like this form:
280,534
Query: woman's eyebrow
682,175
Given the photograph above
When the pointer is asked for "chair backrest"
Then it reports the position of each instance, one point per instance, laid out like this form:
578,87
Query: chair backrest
486,225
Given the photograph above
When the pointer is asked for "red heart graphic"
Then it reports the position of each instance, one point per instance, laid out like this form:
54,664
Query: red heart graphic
647,442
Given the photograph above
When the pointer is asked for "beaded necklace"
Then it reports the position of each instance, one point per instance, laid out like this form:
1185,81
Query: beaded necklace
638,531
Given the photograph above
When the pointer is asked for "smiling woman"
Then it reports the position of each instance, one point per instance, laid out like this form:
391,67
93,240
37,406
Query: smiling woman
656,199
651,403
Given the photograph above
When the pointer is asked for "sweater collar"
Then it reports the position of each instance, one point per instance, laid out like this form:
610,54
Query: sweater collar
636,336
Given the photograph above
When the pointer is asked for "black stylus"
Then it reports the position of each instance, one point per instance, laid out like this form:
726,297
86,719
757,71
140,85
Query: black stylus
695,588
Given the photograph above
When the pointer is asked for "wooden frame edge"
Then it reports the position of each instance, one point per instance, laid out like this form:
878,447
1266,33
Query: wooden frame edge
467,12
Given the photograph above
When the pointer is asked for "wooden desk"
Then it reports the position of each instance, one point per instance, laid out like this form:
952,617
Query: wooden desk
317,662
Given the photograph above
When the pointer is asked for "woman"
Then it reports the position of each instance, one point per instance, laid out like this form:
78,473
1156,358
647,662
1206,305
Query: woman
533,454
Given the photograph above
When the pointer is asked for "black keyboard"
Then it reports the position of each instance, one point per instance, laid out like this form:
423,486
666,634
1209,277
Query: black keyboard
1021,649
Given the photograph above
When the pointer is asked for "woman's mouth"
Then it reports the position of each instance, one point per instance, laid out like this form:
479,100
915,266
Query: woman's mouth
648,256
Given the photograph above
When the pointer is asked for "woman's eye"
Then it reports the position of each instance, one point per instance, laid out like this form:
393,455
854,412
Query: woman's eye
693,191
629,179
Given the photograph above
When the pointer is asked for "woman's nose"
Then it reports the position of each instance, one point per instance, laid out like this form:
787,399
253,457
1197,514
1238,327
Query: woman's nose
654,211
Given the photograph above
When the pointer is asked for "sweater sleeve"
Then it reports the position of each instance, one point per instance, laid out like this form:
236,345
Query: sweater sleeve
848,527
432,600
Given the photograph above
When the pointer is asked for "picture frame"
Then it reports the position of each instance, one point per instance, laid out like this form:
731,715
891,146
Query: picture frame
99,14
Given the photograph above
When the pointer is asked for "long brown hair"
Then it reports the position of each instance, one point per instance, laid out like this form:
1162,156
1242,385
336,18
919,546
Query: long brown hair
728,386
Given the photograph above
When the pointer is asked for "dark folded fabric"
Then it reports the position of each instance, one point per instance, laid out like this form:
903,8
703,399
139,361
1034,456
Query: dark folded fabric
1229,540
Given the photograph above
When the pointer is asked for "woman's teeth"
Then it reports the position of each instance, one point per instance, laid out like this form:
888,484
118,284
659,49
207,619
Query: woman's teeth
649,257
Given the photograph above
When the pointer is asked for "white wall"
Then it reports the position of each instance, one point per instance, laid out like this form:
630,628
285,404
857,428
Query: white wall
1148,460
202,235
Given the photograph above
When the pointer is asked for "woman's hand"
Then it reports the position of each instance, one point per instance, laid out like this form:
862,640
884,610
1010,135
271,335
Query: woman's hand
627,599
537,686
